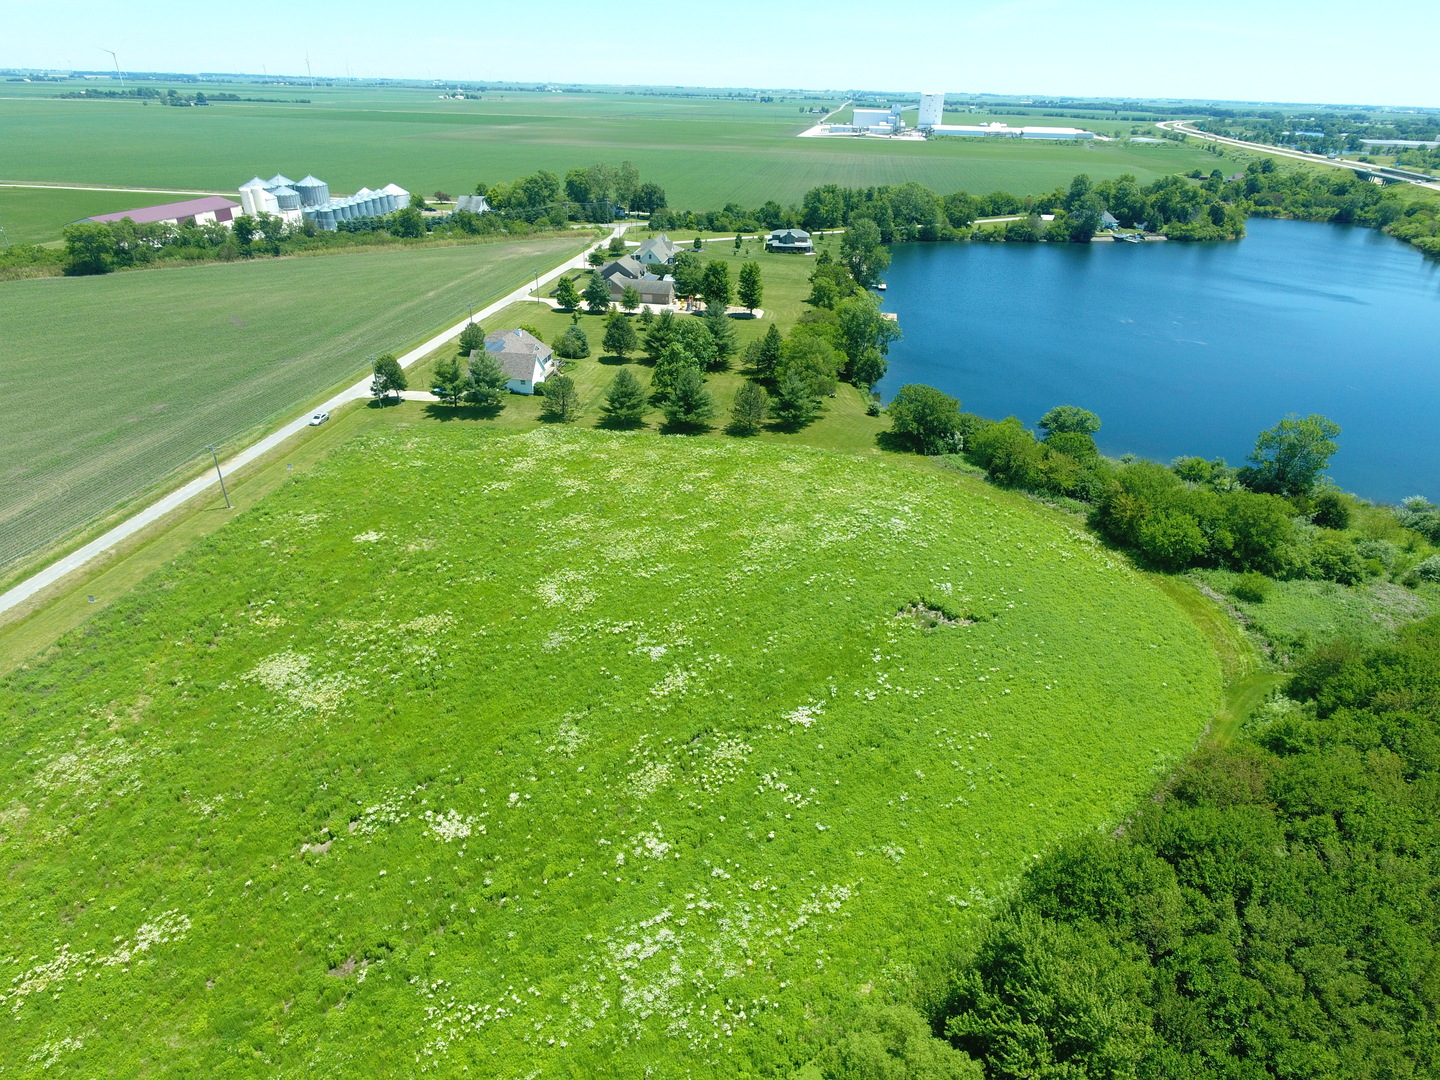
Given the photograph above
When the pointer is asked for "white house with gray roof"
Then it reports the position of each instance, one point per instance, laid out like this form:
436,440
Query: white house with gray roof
657,251
523,357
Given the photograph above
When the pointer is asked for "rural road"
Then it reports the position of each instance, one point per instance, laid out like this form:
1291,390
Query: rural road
201,484
1183,127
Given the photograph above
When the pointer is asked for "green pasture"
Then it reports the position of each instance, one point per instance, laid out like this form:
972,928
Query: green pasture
564,750
36,215
115,382
705,153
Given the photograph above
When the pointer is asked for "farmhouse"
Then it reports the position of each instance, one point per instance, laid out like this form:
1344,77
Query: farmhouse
523,357
656,251
213,209
797,240
654,289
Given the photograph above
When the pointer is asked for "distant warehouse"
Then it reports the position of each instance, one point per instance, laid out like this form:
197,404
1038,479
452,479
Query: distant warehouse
1005,131
213,209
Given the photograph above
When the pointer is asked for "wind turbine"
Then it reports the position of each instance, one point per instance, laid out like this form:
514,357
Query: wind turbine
117,66
308,72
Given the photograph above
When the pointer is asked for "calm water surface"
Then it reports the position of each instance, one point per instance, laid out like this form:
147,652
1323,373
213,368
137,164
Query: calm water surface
1191,348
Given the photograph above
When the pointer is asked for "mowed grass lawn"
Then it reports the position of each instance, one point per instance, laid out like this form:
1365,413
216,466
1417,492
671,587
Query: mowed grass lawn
843,423
703,153
561,750
114,382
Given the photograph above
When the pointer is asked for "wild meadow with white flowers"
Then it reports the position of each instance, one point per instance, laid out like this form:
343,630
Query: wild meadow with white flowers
562,753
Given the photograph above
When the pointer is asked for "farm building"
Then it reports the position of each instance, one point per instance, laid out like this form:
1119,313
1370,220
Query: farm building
213,209
796,240
656,251
654,289
476,204
310,198
523,357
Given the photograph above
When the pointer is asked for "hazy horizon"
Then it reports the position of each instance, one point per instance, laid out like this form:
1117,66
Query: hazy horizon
1287,52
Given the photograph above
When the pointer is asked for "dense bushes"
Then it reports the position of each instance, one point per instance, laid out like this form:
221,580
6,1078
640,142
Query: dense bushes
1272,915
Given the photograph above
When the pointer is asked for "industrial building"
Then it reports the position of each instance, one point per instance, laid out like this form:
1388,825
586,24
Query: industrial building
1005,131
293,200
872,122
932,110
213,209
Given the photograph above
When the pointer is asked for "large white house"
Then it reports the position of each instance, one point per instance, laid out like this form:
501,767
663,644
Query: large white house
523,357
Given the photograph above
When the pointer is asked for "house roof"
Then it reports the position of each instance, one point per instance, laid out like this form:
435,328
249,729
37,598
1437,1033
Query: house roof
626,266
517,352
1108,218
168,211
789,236
661,246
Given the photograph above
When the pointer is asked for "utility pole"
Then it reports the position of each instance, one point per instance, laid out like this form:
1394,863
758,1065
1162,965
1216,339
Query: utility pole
211,447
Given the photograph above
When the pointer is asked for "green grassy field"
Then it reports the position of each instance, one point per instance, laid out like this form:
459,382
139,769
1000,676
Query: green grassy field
36,215
705,153
114,382
561,750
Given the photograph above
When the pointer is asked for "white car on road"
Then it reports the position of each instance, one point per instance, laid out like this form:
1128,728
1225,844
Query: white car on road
319,418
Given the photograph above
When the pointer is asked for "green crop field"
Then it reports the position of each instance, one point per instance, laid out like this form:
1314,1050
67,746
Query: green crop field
36,215
114,382
568,751
705,153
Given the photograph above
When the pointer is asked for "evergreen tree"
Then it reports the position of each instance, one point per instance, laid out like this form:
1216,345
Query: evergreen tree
471,338
572,344
722,333
562,400
663,331
796,403
596,295
751,290
624,401
764,355
450,382
488,383
630,298
752,405
566,294
646,317
620,336
690,404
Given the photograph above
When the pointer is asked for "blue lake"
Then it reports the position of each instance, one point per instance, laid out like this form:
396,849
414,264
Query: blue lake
1190,348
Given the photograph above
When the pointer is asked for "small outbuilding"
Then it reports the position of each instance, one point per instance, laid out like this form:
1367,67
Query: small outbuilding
795,240
1109,221
523,357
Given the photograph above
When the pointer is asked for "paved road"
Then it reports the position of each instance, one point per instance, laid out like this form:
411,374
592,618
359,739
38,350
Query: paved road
53,573
1183,126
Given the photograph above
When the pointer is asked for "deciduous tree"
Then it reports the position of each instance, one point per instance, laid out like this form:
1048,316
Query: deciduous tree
1289,458
597,295
566,294
928,418
389,377
751,290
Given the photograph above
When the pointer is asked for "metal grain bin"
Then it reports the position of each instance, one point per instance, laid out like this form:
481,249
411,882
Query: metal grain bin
288,198
313,192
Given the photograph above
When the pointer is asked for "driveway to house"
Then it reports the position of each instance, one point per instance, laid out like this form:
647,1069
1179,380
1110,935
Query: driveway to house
201,484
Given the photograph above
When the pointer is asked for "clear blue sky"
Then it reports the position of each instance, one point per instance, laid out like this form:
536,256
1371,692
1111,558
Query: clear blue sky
1281,50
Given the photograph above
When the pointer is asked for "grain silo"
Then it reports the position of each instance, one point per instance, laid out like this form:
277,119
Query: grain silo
932,109
288,198
402,197
279,180
313,192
